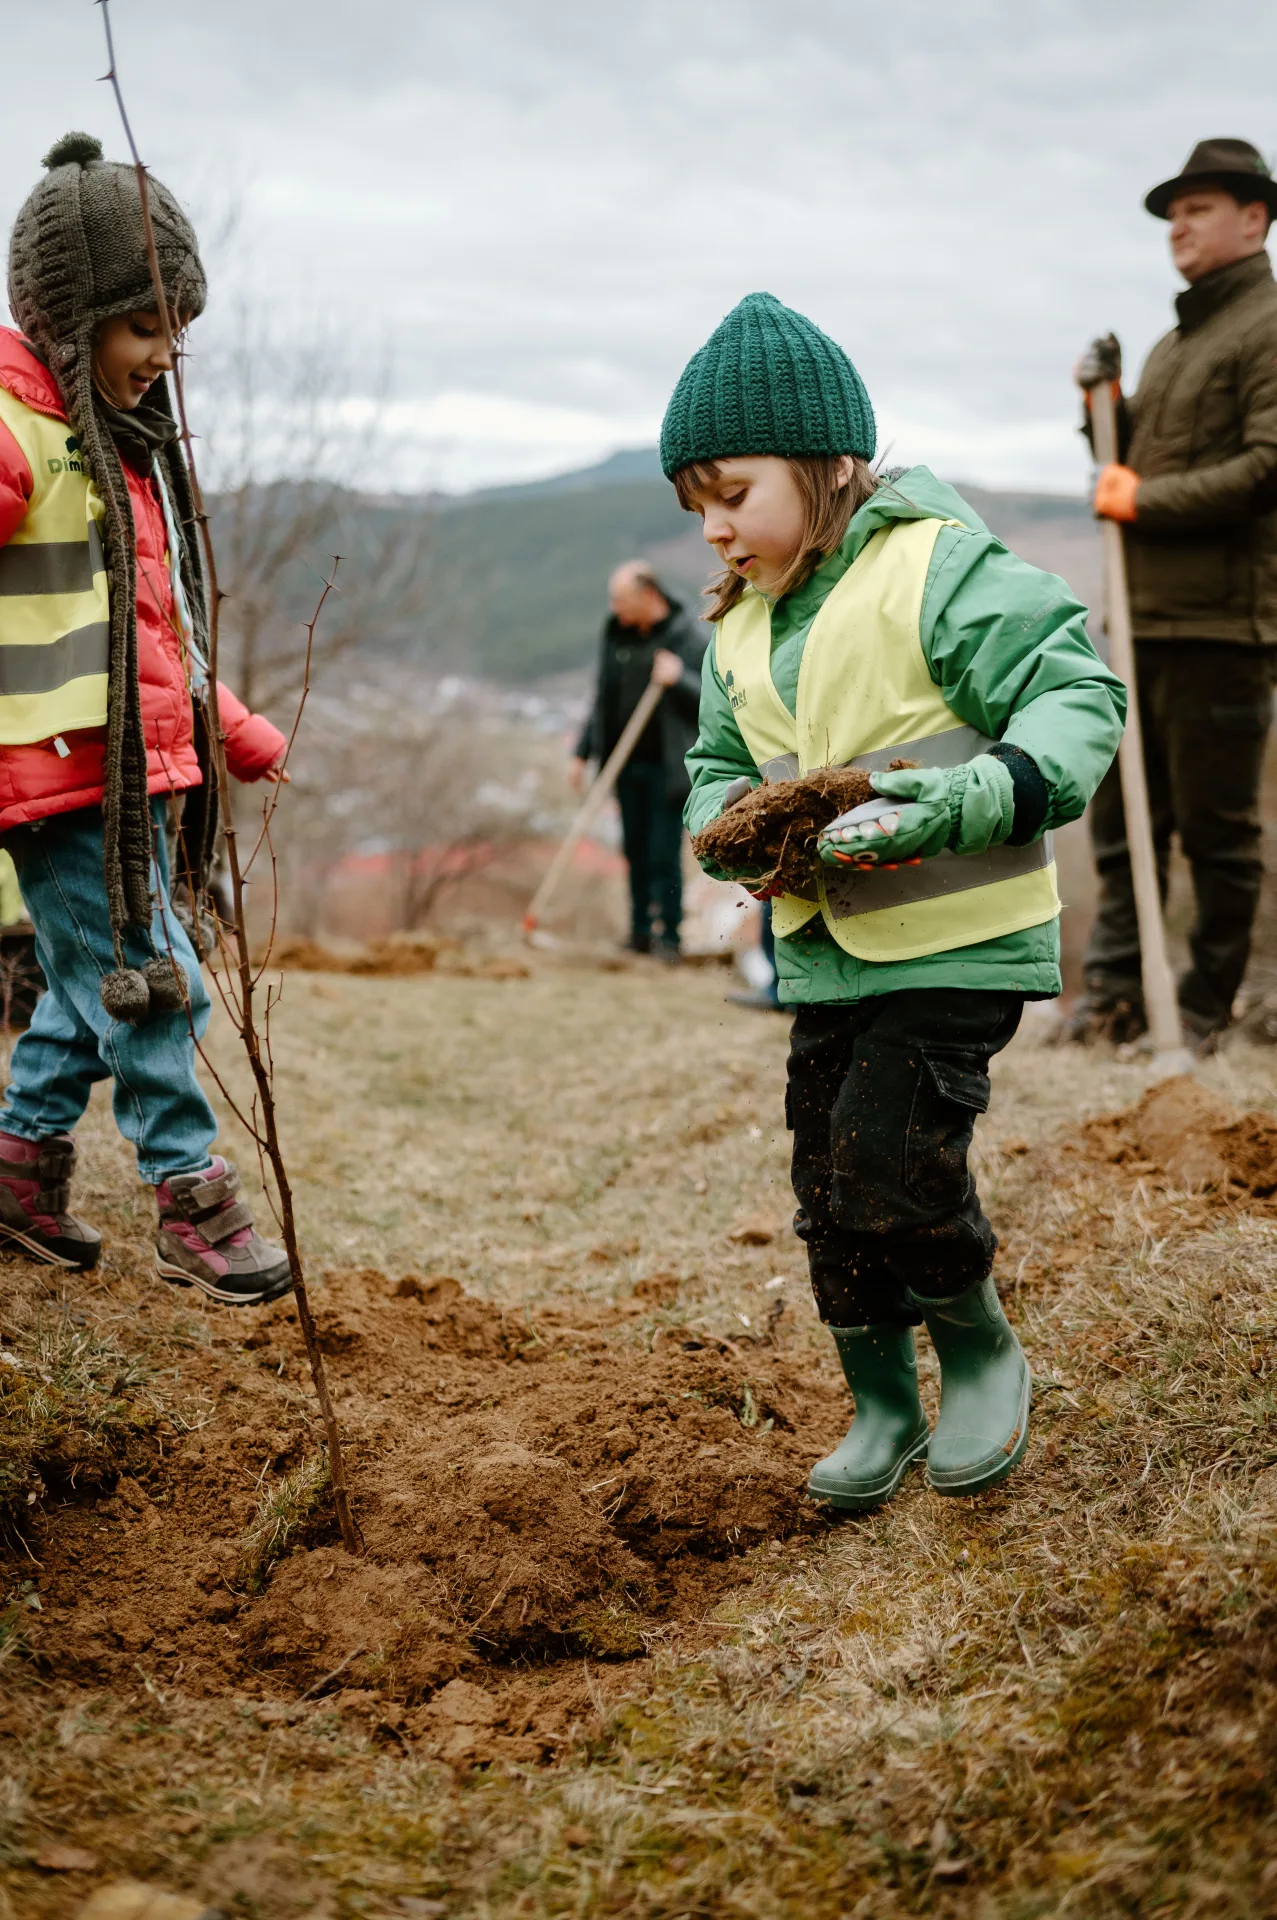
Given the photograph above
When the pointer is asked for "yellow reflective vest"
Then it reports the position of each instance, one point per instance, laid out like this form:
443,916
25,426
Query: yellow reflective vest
866,697
54,608
11,907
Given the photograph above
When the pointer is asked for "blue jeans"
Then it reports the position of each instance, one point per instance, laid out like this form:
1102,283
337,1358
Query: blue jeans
72,1040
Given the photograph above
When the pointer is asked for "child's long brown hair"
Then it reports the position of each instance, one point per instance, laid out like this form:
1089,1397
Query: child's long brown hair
828,508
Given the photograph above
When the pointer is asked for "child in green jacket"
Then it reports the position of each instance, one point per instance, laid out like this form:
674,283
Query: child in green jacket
864,621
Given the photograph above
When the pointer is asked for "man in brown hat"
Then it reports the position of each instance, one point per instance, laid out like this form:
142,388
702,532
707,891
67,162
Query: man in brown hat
1196,494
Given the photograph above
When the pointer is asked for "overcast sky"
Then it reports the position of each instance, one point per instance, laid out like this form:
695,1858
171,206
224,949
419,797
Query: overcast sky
546,205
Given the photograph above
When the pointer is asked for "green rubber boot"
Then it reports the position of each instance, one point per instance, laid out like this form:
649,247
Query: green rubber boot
890,1429
985,1387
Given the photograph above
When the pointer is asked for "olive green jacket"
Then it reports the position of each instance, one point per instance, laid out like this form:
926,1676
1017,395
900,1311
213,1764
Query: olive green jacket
1201,432
1007,646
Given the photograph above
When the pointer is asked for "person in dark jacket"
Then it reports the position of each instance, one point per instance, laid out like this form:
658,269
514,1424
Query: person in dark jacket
1195,491
648,635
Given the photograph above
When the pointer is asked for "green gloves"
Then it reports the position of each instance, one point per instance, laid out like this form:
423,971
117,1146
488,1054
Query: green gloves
965,809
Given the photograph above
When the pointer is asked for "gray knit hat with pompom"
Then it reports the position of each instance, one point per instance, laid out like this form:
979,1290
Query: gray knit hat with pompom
77,255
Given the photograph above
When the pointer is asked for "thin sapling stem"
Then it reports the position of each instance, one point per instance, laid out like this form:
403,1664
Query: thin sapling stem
243,1009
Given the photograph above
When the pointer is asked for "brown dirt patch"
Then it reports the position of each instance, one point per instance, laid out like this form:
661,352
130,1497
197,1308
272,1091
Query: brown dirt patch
531,1487
396,958
1180,1135
772,831
402,959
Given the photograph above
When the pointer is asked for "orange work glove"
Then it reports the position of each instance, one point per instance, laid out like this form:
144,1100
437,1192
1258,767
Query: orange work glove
1114,386
1115,492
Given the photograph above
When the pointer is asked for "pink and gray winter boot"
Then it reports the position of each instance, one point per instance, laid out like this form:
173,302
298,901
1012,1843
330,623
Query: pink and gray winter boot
207,1240
35,1190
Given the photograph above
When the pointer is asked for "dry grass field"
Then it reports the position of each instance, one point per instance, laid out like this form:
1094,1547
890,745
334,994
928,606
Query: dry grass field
601,1656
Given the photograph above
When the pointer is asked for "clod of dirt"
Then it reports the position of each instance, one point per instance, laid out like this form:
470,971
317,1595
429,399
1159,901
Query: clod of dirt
772,831
658,1289
753,1230
1191,1139
57,1858
467,1725
435,1290
465,1705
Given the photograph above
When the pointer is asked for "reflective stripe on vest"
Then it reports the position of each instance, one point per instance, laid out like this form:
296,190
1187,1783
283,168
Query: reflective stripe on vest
865,698
54,607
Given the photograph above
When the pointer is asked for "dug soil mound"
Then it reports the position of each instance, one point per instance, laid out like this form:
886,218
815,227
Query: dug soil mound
529,1487
772,831
1181,1136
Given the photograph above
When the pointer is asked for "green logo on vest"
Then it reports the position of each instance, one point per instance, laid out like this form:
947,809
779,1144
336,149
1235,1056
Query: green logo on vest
71,464
737,695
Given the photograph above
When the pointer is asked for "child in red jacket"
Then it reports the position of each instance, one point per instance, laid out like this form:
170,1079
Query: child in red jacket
102,677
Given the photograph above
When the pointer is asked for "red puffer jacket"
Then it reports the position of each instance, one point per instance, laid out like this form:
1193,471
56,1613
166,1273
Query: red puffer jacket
36,780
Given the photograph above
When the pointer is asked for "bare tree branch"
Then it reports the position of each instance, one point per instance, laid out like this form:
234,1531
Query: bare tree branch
296,468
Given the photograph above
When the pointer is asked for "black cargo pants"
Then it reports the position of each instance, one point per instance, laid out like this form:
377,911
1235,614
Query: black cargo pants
652,835
1205,708
882,1100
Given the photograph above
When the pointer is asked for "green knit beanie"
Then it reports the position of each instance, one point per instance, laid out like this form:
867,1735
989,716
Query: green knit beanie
766,381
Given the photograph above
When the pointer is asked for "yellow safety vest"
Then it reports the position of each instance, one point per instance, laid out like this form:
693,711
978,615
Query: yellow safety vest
865,698
54,608
11,907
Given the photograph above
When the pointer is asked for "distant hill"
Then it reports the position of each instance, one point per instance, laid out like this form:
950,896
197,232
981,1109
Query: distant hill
626,464
513,579
519,575
522,570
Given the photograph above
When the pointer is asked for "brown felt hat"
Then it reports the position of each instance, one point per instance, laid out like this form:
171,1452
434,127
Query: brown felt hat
1233,164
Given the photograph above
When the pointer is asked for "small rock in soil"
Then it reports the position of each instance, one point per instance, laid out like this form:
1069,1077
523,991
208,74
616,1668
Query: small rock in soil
133,1900
56,1858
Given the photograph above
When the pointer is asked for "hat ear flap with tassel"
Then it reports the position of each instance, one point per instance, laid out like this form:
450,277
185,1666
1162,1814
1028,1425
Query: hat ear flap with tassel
166,981
126,995
134,994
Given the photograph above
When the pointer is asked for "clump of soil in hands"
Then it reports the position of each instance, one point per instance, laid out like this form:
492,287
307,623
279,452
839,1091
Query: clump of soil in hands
772,832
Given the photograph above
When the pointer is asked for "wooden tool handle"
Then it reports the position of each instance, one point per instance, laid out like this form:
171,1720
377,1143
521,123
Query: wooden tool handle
601,787
1160,1003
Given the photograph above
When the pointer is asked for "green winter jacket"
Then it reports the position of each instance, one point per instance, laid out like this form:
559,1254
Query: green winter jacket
1007,646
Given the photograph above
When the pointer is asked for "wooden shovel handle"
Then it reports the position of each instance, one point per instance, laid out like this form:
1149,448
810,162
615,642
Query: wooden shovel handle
1160,1002
601,787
